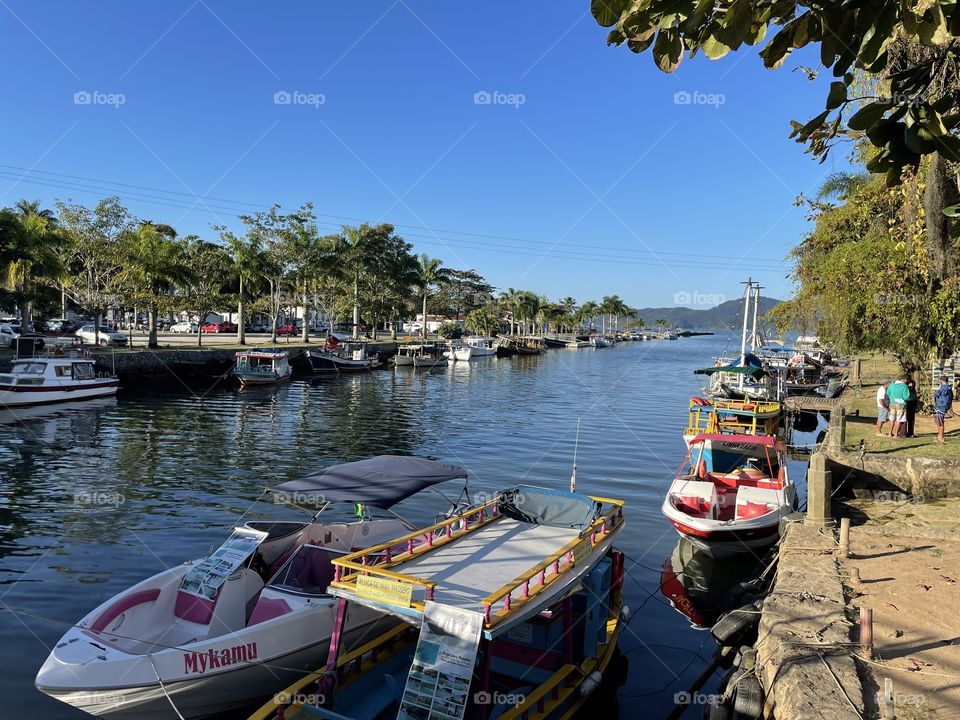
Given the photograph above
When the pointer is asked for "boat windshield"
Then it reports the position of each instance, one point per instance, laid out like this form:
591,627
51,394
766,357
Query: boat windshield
728,461
307,572
28,368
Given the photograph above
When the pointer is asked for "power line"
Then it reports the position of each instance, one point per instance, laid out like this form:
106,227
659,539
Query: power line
201,204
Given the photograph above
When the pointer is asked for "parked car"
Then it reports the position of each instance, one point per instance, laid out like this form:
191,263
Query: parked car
288,330
107,336
184,327
9,334
228,327
59,326
256,327
221,327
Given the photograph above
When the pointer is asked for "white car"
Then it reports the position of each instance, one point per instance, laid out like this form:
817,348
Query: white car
107,336
184,327
9,334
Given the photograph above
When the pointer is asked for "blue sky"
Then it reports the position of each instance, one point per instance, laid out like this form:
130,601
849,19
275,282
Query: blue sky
501,136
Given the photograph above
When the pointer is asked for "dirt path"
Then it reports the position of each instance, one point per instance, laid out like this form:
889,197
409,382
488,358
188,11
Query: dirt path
908,558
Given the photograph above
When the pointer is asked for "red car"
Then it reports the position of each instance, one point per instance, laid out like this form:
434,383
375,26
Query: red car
223,327
288,330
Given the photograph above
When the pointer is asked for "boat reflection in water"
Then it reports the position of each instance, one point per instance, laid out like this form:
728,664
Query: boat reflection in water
702,587
34,413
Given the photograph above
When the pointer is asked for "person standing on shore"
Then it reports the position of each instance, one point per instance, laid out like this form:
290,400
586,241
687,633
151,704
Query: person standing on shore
942,404
883,405
897,394
911,407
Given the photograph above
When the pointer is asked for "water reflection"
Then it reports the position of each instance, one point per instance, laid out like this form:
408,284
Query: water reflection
703,588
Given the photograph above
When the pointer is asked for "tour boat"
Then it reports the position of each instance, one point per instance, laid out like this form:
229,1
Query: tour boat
513,606
515,345
721,415
262,367
227,630
53,378
731,493
343,357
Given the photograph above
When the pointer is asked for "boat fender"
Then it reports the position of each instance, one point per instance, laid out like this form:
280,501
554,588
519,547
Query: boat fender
748,702
590,683
733,682
716,711
736,622
625,614
747,658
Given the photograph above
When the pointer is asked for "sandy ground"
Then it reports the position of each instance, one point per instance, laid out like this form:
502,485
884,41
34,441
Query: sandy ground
908,557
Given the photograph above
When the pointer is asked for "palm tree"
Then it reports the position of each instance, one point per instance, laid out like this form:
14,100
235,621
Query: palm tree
662,324
33,254
587,312
156,262
247,256
483,321
427,276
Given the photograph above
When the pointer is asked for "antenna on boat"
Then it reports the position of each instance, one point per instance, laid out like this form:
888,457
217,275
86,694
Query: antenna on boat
576,444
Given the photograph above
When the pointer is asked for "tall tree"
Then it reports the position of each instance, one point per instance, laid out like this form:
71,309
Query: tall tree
208,284
429,275
35,260
155,263
246,256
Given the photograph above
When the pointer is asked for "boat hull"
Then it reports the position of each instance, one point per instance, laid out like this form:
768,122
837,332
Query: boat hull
253,380
331,363
21,396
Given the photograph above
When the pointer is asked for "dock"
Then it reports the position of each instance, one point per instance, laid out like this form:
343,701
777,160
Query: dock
809,403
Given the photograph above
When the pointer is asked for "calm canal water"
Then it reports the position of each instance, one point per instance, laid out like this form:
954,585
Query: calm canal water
177,468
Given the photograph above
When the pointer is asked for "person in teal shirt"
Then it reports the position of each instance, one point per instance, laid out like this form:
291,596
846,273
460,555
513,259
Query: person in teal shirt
898,393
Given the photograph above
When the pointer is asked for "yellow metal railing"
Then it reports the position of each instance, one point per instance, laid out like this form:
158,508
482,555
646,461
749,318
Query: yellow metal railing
377,561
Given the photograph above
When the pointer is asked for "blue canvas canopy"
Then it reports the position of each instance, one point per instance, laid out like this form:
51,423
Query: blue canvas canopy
380,481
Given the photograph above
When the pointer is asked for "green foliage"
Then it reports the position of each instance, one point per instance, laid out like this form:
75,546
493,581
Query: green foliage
483,321
450,330
910,47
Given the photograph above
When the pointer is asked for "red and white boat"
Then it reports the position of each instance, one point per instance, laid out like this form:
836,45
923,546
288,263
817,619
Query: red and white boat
731,493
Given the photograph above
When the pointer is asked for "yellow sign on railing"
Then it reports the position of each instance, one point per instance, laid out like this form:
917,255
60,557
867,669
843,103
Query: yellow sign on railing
390,592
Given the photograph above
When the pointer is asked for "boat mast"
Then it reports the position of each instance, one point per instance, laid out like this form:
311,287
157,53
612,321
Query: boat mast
743,335
756,307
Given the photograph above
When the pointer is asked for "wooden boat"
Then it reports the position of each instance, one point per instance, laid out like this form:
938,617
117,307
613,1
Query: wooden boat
54,378
508,345
553,343
731,493
429,361
494,591
343,357
222,632
262,366
406,353
721,415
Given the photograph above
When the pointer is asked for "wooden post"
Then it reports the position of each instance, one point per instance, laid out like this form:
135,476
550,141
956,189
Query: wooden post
845,537
855,371
838,428
819,492
887,703
866,631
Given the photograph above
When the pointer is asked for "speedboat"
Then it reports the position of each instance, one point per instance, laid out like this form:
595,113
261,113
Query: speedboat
598,341
343,357
262,366
54,378
481,604
227,630
731,493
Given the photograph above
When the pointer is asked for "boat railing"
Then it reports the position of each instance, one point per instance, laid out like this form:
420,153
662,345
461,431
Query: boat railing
378,561
535,580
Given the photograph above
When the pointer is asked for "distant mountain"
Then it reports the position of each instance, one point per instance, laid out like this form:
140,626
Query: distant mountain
727,315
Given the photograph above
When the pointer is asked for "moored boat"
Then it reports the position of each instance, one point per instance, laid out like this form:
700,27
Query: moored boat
224,631
731,493
489,589
343,357
480,346
262,366
600,341
54,378
722,415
